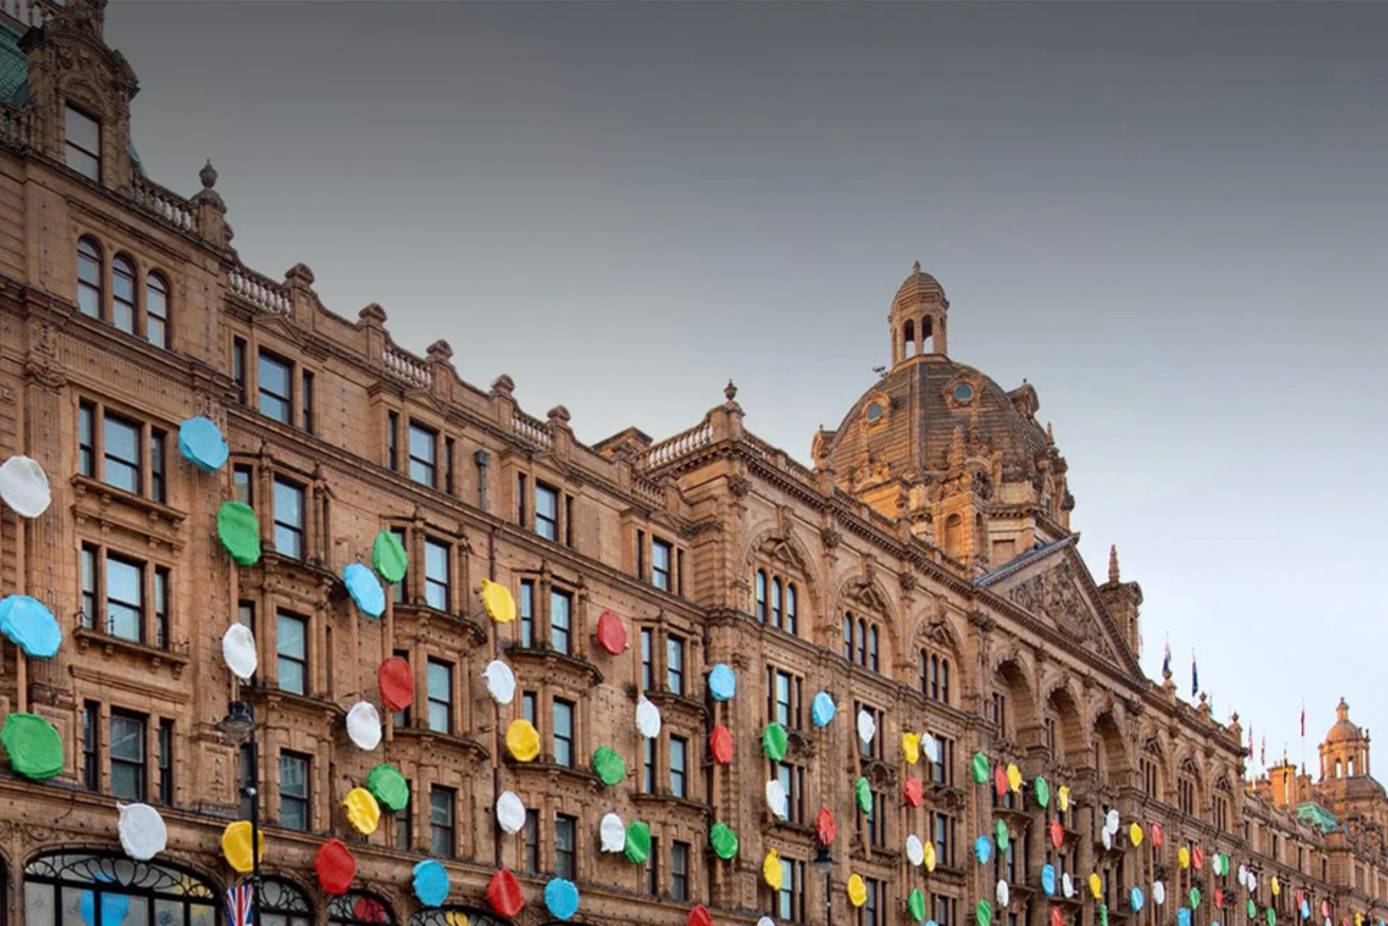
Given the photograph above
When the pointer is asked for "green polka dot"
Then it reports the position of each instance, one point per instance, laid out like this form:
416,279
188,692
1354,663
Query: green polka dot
239,532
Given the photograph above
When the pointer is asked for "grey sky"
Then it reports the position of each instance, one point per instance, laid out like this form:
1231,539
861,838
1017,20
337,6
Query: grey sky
1170,218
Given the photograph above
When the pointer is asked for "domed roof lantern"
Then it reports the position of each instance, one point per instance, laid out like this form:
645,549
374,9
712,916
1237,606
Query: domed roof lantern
917,317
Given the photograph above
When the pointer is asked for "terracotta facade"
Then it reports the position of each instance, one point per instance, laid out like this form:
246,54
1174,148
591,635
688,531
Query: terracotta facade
922,569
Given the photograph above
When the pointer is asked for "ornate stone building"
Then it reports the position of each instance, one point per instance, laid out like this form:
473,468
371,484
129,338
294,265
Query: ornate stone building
922,572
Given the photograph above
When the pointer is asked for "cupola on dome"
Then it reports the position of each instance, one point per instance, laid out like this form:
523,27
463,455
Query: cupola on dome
918,286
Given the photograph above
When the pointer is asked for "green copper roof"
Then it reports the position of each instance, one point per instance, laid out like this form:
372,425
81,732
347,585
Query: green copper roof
14,67
1317,816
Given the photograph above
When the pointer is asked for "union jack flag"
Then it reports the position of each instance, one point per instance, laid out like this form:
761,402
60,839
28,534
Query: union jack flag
240,901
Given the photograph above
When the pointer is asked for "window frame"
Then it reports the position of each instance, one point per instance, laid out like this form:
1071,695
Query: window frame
443,834
139,764
299,530
262,356
569,738
433,700
299,660
70,145
304,801
428,466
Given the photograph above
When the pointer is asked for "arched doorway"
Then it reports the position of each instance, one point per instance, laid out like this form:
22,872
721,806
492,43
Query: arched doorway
103,889
282,903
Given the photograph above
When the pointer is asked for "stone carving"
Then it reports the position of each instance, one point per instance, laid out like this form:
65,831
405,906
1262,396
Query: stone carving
1055,596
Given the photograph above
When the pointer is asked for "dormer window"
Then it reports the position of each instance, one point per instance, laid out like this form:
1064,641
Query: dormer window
82,145
963,393
875,411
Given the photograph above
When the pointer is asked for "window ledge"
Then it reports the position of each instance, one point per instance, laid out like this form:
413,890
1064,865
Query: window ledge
666,799
551,659
273,561
428,738
86,486
272,694
175,659
545,765
669,700
425,613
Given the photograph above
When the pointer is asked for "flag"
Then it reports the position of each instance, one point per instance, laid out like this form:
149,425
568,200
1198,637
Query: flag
1194,676
1303,718
1263,752
1166,661
239,904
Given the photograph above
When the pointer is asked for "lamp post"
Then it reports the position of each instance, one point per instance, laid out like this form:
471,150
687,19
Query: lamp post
824,864
239,727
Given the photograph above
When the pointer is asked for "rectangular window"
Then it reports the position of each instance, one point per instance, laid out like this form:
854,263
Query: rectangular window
403,819
674,664
166,766
424,451
944,910
82,143
291,652
91,748
560,607
647,766
531,862
393,441
275,379
568,520
294,791
792,778
306,400
520,500
942,772
943,835
401,718
161,607
245,615
783,697
289,518
661,567
679,871
546,511
125,598
397,589
238,368
565,846
120,444
872,750
440,684
86,439
526,605
242,484
437,574
442,832
679,775
127,755
528,701
157,489
563,743
653,869
790,900
647,669
640,554
87,558
448,454
873,912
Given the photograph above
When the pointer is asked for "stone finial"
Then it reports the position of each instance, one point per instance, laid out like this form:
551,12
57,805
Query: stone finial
208,175
916,267
1050,434
439,351
730,391
299,273
558,413
503,385
1113,563
373,314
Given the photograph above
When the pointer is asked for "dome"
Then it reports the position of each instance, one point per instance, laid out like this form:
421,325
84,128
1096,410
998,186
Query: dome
1343,730
919,286
906,424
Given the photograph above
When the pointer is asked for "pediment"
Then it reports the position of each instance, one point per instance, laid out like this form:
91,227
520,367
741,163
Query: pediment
1053,584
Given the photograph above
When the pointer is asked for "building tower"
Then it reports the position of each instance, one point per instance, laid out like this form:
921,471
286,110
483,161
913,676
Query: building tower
917,318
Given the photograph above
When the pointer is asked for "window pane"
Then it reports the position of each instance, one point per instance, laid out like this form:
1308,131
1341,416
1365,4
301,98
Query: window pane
563,732
89,282
83,143
124,599
291,648
440,694
678,749
423,454
546,512
274,378
436,574
289,519
559,606
674,664
123,294
121,441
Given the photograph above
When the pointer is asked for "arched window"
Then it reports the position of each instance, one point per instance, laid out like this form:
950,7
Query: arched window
790,625
283,904
90,273
761,595
861,642
455,916
1187,788
157,310
908,337
1150,765
776,602
96,889
123,293
358,908
934,675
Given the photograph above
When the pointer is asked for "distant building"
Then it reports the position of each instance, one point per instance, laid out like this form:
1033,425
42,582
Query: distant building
922,571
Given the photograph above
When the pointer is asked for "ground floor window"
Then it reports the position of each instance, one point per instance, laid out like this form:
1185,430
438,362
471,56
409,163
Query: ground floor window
72,888
356,908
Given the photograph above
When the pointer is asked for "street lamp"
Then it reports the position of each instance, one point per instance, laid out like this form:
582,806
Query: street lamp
824,864
239,727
